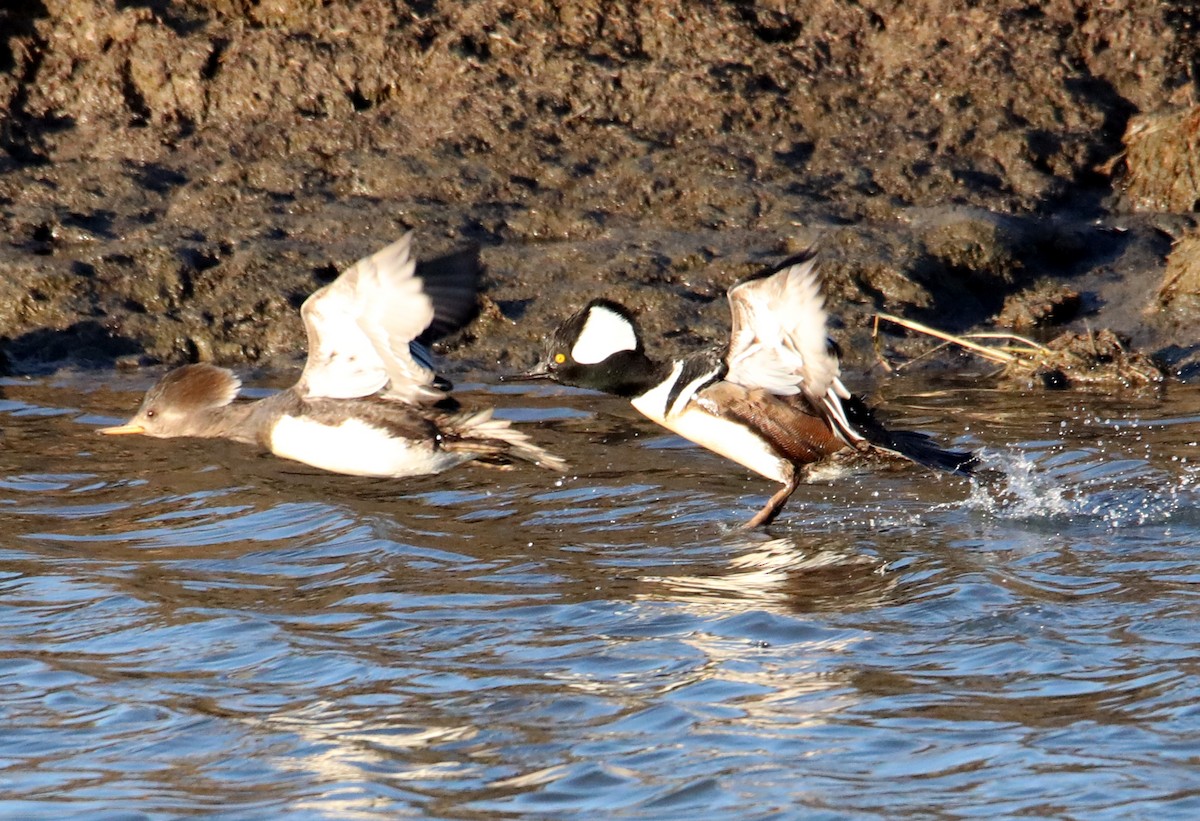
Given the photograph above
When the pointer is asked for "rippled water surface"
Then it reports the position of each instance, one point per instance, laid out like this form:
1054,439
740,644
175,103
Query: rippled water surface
190,627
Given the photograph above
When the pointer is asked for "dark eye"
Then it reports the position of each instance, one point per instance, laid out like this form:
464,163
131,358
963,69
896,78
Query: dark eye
150,414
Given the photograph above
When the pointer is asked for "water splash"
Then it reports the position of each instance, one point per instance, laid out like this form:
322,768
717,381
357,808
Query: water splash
1081,486
1012,487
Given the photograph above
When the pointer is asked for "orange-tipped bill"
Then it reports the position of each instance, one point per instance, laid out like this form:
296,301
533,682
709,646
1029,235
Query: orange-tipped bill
122,429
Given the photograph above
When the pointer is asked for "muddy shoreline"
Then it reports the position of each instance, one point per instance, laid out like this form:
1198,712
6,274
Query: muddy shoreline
176,177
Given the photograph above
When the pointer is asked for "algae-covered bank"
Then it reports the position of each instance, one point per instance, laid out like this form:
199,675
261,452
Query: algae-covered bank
175,177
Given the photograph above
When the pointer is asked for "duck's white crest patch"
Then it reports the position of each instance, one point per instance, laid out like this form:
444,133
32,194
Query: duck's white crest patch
605,332
356,448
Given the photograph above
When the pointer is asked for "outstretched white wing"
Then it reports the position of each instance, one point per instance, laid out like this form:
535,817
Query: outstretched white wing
360,327
780,341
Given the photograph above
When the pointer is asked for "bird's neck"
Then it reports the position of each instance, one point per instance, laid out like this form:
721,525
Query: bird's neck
628,374
240,421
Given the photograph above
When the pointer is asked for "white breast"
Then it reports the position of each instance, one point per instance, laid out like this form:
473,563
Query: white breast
356,448
729,439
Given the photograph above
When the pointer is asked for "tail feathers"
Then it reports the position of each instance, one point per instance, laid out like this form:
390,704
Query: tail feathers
918,447
924,451
497,439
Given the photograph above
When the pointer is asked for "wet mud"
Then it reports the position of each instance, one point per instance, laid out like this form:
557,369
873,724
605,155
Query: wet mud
176,177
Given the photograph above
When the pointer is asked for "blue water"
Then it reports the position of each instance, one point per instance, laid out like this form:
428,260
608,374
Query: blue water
194,628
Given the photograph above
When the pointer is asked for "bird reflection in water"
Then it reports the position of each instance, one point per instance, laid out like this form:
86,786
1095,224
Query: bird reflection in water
781,575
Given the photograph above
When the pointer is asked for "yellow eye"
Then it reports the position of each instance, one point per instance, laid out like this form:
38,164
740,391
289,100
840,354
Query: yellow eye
560,358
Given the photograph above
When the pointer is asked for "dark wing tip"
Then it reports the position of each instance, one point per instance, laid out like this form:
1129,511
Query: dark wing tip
452,283
833,349
807,255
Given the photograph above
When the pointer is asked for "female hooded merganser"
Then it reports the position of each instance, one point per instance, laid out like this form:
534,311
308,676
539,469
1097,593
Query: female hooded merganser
770,400
368,402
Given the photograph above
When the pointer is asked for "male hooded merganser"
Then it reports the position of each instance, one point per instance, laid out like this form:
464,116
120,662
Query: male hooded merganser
770,400
368,402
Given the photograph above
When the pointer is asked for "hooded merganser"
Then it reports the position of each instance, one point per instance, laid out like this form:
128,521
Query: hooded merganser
771,400
368,402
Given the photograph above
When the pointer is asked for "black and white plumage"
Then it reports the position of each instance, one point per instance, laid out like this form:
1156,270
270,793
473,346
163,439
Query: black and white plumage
368,401
771,399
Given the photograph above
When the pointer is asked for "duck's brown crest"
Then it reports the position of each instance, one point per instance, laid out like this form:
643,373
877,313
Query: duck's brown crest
196,386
